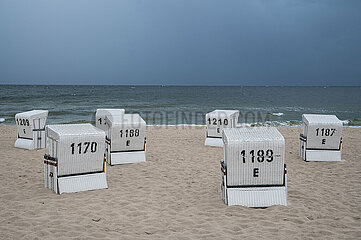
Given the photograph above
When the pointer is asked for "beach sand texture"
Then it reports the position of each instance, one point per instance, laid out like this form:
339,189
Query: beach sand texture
176,195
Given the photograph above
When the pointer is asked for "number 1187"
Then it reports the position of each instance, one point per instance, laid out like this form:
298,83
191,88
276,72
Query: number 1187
325,131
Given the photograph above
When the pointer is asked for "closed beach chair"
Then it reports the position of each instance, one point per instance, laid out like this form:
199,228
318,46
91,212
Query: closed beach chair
76,158
31,129
101,114
253,171
126,139
321,139
216,121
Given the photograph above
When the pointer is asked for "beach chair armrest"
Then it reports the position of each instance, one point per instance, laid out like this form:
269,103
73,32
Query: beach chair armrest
223,167
48,157
303,138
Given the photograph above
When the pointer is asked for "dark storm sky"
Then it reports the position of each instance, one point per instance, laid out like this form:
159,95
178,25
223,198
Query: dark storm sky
189,42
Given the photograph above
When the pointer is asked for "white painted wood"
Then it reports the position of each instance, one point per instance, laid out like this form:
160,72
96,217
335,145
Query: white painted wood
321,139
302,152
253,171
73,162
250,169
82,183
216,121
257,197
214,142
101,113
127,157
315,127
50,175
126,136
323,156
30,128
24,143
76,158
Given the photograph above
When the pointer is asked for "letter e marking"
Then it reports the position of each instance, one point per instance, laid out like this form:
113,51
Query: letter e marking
255,172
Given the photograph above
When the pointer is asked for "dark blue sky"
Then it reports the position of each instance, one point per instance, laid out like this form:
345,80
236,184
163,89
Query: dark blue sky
188,42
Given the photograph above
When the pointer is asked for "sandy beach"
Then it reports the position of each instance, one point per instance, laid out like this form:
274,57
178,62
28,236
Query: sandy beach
176,195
